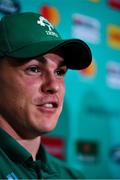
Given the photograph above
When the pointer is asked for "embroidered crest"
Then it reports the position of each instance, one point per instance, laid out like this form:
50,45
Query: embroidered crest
12,176
44,22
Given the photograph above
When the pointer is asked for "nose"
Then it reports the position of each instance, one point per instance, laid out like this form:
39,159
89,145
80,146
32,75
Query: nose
50,85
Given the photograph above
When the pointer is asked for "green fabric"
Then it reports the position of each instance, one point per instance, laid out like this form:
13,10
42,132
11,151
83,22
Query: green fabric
17,163
27,35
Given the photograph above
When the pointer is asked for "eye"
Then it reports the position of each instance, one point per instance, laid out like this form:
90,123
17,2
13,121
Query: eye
33,70
61,72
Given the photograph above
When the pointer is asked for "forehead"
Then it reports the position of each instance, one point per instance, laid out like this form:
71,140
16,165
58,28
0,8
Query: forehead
56,58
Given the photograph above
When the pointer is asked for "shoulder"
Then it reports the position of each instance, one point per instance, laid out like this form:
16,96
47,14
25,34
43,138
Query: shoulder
64,170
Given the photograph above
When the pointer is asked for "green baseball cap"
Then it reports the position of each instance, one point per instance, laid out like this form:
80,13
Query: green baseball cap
28,35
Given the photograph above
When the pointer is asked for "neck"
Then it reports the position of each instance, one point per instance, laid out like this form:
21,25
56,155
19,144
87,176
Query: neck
31,145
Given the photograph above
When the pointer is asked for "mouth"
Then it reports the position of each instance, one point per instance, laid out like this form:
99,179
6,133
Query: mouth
48,107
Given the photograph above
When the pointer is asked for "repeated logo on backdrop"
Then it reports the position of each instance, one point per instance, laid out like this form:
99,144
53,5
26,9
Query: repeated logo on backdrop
86,28
95,1
51,13
114,3
54,145
87,151
114,36
90,70
9,6
113,74
115,154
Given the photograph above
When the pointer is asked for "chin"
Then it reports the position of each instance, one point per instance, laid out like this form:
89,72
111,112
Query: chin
48,129
48,124
43,129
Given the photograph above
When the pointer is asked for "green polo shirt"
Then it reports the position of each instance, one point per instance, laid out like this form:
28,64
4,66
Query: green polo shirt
17,163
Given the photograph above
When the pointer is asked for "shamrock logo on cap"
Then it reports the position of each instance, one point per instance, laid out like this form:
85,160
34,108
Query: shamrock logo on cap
44,22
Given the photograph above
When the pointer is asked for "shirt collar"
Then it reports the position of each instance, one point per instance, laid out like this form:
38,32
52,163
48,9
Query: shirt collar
19,154
12,148
46,163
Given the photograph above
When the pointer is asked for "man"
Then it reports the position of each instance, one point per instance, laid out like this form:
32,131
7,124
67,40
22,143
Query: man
33,62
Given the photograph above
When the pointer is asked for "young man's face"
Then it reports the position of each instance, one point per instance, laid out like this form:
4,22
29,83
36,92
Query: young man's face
31,93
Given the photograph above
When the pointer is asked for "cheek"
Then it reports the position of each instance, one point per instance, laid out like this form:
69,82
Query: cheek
62,88
13,92
31,83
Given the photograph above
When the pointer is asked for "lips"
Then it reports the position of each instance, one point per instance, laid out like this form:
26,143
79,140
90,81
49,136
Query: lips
49,104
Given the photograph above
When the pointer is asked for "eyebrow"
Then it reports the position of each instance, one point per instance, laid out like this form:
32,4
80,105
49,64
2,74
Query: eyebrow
42,60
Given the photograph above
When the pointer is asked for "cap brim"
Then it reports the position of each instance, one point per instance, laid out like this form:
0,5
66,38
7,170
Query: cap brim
76,53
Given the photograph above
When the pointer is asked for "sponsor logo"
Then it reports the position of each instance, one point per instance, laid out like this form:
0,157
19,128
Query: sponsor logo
114,36
115,154
113,75
54,145
95,1
9,6
51,13
114,3
87,151
90,70
103,112
86,28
